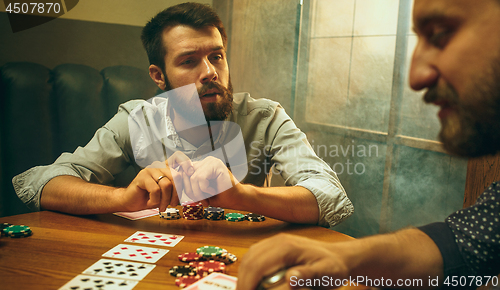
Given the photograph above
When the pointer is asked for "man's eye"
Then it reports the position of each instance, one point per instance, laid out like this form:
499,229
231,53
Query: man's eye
440,37
187,61
217,57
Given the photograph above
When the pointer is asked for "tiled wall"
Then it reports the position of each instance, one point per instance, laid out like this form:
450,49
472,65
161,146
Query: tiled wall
352,56
351,62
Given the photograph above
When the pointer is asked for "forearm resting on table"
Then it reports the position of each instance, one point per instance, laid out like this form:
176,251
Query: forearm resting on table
73,195
406,254
294,204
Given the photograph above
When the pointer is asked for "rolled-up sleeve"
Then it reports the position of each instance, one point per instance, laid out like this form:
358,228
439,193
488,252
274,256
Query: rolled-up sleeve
299,165
107,154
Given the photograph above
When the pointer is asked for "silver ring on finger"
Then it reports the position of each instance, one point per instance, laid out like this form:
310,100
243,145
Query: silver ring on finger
159,178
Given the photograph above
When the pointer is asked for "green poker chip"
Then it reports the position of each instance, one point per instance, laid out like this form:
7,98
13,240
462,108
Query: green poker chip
235,217
17,231
210,251
21,235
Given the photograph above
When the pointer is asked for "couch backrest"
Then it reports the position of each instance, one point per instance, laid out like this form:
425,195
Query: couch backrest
46,112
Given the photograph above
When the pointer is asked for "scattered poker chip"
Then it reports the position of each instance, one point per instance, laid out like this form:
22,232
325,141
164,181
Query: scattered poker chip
170,214
210,252
235,217
231,258
17,231
226,258
189,257
253,217
221,258
185,281
179,271
208,267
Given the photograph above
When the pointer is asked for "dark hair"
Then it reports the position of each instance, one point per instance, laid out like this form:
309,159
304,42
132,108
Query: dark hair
191,14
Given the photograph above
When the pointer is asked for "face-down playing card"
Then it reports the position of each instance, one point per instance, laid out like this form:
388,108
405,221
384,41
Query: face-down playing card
98,283
135,253
120,269
156,239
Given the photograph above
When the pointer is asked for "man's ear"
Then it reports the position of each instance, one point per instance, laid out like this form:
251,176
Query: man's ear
157,76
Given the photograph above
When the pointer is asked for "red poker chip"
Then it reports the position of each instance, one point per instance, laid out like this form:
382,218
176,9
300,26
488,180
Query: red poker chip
195,264
185,281
189,257
192,208
193,218
192,205
193,211
192,214
211,266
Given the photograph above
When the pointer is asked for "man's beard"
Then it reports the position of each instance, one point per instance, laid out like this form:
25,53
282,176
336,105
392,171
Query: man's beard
472,129
186,106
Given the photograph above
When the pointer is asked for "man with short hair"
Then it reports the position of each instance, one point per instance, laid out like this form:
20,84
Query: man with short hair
186,46
457,58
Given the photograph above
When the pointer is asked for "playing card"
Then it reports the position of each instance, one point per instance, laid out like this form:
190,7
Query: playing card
214,281
135,253
98,283
120,269
156,239
136,215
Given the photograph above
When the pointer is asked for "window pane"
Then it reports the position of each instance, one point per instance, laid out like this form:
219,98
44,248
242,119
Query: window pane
333,18
370,83
376,17
328,80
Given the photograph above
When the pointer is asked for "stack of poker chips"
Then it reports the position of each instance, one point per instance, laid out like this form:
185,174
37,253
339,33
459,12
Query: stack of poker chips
205,260
253,217
214,213
192,211
16,231
170,214
216,253
208,253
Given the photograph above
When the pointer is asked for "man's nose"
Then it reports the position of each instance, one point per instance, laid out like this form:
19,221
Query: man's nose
209,72
423,72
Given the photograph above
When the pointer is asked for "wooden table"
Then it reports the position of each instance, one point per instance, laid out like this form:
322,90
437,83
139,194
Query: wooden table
62,246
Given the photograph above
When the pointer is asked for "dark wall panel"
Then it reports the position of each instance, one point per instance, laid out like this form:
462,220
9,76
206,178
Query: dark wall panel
60,41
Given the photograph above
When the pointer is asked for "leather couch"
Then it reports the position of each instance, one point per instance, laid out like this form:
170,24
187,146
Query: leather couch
44,112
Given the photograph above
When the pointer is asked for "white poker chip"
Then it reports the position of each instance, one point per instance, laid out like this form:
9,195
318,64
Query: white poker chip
170,213
171,210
